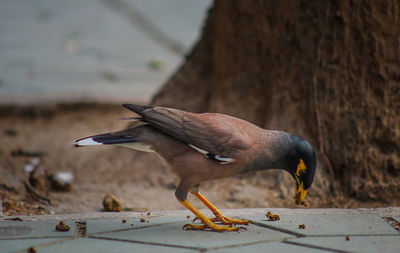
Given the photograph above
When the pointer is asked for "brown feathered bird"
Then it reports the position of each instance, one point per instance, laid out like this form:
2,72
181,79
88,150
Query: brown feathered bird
208,146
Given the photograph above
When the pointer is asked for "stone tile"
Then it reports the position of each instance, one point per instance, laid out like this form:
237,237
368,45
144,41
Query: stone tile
100,226
362,244
33,229
86,49
276,247
186,22
92,245
23,244
173,234
330,223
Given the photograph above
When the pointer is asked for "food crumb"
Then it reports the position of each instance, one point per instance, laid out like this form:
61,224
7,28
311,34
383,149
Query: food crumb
298,201
62,227
272,217
148,213
188,216
302,226
347,238
31,250
123,220
111,203
142,219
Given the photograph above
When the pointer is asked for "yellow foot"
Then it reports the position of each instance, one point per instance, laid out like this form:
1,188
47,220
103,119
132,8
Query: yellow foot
228,221
212,226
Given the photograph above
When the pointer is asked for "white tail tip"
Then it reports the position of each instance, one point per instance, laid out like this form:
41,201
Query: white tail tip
86,142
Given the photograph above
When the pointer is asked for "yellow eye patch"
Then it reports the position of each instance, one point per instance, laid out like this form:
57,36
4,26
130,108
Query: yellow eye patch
300,167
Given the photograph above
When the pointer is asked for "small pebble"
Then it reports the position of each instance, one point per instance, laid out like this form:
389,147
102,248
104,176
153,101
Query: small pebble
31,250
62,227
302,226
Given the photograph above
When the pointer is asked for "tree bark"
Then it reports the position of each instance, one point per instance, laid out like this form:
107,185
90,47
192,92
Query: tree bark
328,71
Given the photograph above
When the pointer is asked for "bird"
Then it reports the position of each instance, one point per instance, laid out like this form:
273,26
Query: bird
201,147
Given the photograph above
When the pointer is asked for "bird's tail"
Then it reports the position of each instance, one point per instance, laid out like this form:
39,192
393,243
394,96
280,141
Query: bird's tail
136,108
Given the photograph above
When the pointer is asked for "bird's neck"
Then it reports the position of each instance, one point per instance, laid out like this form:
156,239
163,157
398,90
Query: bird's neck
274,154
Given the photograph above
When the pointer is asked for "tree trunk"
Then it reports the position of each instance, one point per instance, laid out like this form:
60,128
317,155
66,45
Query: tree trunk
328,71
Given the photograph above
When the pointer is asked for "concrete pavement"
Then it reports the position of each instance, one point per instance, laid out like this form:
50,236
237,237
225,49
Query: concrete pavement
95,50
326,230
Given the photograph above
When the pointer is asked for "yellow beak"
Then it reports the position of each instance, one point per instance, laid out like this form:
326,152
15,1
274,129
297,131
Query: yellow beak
300,192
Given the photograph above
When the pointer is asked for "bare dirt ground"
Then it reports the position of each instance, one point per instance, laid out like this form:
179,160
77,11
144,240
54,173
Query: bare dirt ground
139,180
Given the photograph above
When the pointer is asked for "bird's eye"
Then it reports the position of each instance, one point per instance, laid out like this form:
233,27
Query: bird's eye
302,172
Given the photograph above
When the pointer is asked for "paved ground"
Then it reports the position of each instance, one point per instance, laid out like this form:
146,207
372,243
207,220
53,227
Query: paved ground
102,50
326,230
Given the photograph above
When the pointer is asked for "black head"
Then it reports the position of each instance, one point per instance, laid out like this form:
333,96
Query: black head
301,163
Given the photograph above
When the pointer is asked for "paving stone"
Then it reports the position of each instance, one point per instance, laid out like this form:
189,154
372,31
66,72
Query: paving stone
99,226
32,229
362,244
276,247
79,50
173,234
330,223
23,244
91,245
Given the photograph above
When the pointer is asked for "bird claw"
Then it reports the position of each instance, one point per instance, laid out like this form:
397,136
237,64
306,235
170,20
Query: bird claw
229,221
212,226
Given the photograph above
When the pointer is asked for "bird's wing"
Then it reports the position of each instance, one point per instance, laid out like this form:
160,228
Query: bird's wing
215,135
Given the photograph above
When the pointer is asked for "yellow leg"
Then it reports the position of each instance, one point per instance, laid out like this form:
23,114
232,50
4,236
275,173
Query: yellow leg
207,223
218,215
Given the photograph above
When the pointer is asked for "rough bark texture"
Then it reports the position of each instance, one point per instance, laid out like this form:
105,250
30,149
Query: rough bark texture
328,71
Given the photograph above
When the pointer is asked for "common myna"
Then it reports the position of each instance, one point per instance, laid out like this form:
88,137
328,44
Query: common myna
208,146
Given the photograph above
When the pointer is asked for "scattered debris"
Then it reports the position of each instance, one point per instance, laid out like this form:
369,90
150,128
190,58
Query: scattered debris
188,216
80,229
142,219
347,238
36,195
393,222
123,220
302,226
21,152
111,203
272,217
62,227
33,163
61,181
38,178
31,250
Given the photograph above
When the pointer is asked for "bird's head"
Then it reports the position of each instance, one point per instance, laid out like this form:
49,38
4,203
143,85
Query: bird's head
301,164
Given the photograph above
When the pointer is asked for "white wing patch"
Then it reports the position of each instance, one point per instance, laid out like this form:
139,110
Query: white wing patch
224,160
199,149
218,158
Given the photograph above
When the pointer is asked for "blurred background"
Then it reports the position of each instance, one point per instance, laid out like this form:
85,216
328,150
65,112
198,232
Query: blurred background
327,71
